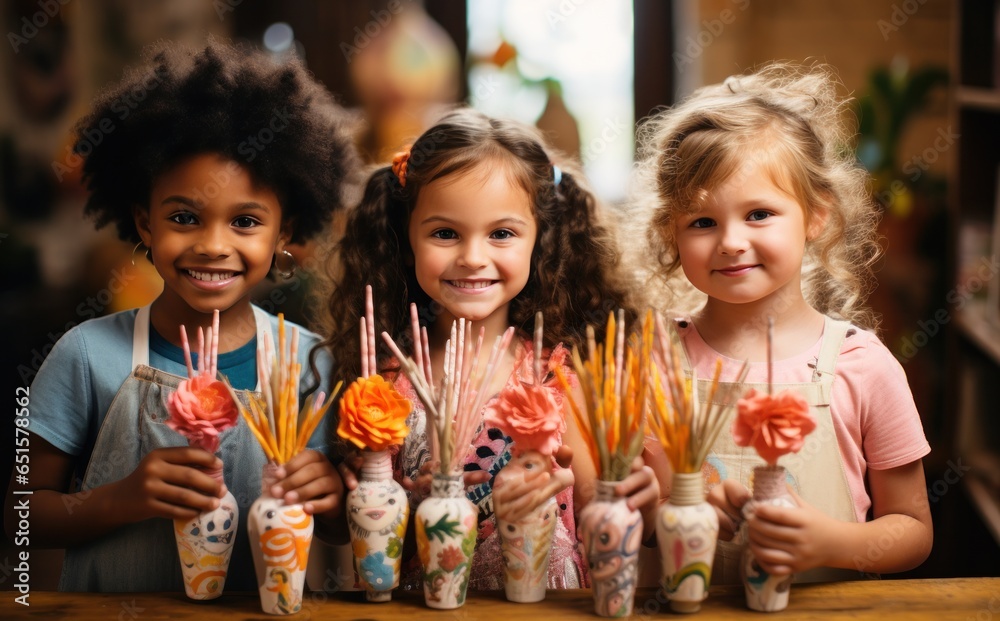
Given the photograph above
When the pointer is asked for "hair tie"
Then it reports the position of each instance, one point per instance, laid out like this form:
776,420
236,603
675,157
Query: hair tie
556,175
399,162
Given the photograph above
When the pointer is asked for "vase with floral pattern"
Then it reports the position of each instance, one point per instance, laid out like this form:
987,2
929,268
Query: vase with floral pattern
446,530
377,514
280,537
686,530
612,535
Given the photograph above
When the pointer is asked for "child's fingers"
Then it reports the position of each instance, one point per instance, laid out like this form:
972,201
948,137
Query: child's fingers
561,479
475,477
349,477
775,561
181,498
185,477
304,473
173,512
188,456
564,456
312,491
517,508
645,498
326,504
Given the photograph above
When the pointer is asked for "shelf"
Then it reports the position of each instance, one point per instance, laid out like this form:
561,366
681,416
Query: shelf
987,502
973,321
982,98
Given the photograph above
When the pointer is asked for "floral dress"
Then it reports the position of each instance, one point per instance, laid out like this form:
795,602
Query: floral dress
491,453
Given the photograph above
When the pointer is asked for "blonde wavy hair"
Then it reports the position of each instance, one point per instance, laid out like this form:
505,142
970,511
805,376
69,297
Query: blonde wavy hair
789,120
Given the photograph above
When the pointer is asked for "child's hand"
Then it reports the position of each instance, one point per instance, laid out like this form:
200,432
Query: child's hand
171,483
420,487
517,496
786,540
349,469
642,490
728,499
310,479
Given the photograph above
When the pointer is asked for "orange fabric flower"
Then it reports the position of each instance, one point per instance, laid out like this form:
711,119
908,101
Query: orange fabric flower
373,415
200,409
531,415
773,424
399,164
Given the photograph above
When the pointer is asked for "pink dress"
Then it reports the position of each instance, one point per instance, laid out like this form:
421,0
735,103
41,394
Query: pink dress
491,453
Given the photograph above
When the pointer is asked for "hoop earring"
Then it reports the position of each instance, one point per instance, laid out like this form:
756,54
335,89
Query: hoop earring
146,254
287,270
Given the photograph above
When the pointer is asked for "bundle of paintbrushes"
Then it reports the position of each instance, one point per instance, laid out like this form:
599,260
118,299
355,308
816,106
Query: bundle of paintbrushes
275,419
453,408
686,425
615,382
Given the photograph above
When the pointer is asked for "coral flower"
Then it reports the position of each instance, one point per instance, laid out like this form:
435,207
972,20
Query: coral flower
773,425
531,415
450,558
200,409
373,415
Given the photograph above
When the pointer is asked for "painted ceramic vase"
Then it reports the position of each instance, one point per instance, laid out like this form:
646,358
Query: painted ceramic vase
446,531
765,592
686,531
611,535
526,542
377,512
280,536
205,545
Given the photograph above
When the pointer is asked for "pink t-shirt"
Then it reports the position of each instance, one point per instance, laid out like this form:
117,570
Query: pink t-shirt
874,417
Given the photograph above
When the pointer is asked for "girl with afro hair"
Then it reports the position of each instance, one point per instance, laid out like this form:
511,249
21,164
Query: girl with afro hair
213,160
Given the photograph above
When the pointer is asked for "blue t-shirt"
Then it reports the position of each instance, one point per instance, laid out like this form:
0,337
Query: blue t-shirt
238,366
79,379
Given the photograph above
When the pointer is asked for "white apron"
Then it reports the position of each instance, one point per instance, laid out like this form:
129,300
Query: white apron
143,556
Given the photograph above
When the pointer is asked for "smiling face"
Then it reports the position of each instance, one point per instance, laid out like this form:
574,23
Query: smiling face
746,240
472,235
212,233
374,508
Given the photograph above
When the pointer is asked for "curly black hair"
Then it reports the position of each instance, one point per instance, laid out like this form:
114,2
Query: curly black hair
568,279
270,116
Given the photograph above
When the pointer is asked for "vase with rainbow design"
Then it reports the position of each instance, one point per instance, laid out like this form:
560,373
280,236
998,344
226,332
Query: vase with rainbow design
280,537
377,514
686,530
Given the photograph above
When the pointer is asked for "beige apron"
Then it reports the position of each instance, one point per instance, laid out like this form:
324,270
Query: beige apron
816,473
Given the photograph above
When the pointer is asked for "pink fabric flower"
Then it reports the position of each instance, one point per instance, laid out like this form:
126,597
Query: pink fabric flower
200,409
531,415
773,424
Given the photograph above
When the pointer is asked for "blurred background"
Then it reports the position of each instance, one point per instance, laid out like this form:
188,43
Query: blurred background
922,75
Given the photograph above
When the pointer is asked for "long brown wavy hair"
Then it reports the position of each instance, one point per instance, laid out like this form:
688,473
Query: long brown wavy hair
570,261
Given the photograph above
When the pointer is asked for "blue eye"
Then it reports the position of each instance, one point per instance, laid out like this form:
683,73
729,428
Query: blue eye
702,223
758,215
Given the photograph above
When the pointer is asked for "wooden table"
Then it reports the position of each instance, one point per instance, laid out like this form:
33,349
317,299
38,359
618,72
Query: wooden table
962,598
